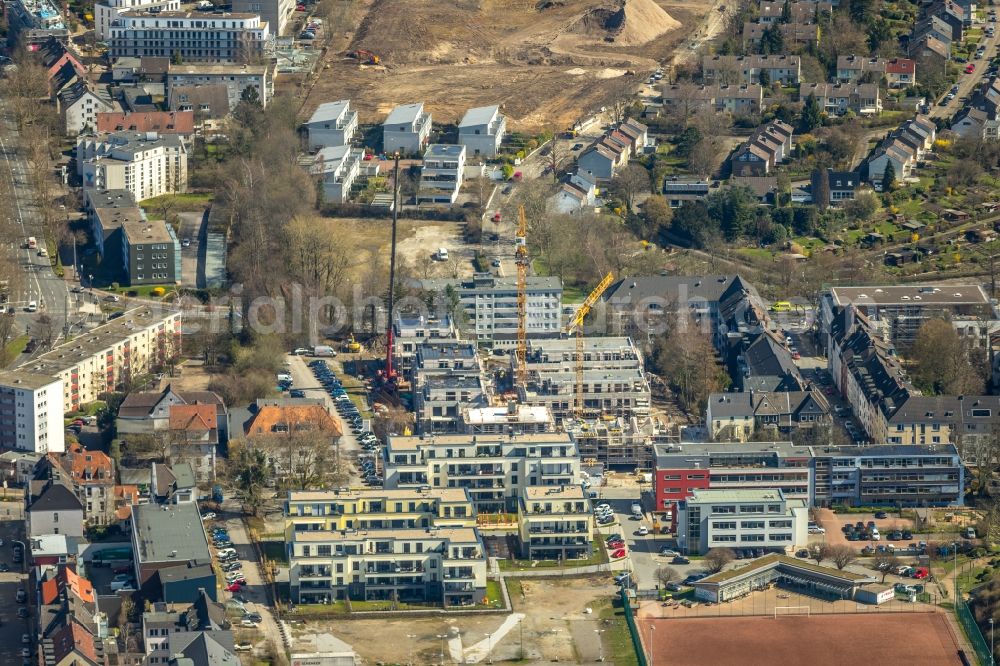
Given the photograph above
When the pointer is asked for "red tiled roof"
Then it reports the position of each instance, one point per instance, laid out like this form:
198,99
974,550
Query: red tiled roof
192,417
85,467
900,66
73,637
125,497
165,122
293,417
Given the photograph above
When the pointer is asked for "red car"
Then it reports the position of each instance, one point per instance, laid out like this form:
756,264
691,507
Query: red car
615,545
618,554
970,68
920,573
235,587
796,355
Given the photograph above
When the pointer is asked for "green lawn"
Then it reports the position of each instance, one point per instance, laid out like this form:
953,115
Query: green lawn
600,556
142,291
616,640
355,391
274,551
494,596
15,347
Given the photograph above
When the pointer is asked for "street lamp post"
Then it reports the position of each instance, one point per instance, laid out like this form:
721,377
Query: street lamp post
489,648
600,644
442,637
992,658
651,627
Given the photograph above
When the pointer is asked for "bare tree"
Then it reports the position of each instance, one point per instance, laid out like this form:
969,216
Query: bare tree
884,563
45,330
556,156
702,159
716,559
842,556
667,575
819,553
630,182
620,97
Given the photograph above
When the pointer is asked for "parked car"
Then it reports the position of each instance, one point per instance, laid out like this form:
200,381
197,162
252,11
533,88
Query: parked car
881,515
234,587
667,552
208,516
680,559
618,554
920,573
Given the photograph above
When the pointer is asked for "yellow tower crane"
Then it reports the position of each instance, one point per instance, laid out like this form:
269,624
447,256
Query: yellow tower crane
576,325
522,261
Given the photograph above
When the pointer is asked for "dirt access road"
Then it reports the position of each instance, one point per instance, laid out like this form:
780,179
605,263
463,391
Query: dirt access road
546,64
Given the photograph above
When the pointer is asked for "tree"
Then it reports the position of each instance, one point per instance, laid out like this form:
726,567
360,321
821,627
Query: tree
842,556
45,330
819,553
821,187
667,575
693,224
764,78
863,207
685,359
656,216
716,559
620,98
811,117
861,11
889,177
252,471
981,454
556,156
733,210
772,41
942,360
786,12
630,182
884,563
879,33
702,159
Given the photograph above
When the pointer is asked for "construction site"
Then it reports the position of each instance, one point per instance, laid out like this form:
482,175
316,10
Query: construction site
547,63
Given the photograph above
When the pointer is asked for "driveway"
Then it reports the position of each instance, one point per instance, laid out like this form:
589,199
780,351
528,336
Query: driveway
255,593
193,227
303,379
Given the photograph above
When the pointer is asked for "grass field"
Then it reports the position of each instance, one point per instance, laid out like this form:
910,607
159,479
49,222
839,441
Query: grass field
914,639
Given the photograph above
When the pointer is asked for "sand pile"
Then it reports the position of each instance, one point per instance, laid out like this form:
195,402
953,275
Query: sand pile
626,22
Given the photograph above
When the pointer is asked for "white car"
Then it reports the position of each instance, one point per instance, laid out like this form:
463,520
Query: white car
817,530
243,647
25,638
32,306
642,531
249,624
208,516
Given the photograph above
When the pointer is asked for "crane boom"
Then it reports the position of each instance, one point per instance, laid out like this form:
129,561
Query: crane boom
521,259
576,325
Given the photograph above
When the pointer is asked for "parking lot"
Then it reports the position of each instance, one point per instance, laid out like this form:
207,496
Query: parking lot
12,628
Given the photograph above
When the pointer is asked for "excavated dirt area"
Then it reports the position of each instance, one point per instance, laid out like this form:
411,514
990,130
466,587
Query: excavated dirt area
548,63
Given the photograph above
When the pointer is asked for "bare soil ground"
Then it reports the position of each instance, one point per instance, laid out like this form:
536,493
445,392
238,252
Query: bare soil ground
547,67
555,629
915,639
192,377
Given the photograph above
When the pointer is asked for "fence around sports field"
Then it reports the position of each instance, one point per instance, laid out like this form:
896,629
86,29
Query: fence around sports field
764,602
972,632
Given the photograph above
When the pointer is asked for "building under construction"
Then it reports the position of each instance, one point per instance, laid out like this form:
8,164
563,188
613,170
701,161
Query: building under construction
614,382
616,442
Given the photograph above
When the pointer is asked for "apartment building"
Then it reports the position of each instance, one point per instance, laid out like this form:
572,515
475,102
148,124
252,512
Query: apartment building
731,69
377,544
447,376
767,147
836,99
737,416
151,253
442,174
555,523
166,537
614,379
763,519
106,13
147,164
276,13
235,78
409,332
79,105
140,341
337,168
616,442
516,418
189,36
680,469
91,477
482,130
494,468
902,148
406,129
488,304
898,312
332,124
31,412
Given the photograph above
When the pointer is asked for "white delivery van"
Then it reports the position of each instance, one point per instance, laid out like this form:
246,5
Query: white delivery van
637,510
441,254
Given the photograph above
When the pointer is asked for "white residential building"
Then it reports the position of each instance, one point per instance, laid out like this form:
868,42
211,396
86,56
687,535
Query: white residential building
236,79
189,36
576,194
136,343
337,167
555,523
105,13
482,129
31,412
489,306
762,519
406,129
79,105
495,468
147,164
442,174
276,12
332,124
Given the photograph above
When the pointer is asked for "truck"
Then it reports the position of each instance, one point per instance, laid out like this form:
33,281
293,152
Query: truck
324,350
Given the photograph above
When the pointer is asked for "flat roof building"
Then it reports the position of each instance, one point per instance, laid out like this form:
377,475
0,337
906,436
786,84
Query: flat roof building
166,536
741,518
31,412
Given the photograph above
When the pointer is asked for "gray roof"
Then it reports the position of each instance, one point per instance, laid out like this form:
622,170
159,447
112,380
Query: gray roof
912,295
134,142
481,115
56,497
185,572
329,111
169,533
405,114
109,198
204,648
16,379
493,283
184,475
731,404
443,150
634,290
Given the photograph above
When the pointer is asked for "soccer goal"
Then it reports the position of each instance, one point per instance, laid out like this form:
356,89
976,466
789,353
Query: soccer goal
780,611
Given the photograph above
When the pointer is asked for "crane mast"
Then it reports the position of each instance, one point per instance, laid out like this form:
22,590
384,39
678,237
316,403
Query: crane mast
521,259
576,325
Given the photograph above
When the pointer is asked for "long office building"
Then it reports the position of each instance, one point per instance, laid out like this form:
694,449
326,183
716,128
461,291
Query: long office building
820,476
758,519
494,468
381,545
189,36
107,357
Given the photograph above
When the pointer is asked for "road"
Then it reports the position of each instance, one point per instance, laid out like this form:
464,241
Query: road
193,229
12,628
41,284
967,81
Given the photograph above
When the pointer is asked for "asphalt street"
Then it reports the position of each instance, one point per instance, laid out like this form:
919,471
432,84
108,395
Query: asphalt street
967,81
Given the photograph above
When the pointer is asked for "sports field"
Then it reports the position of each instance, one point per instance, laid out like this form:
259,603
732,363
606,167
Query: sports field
910,639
